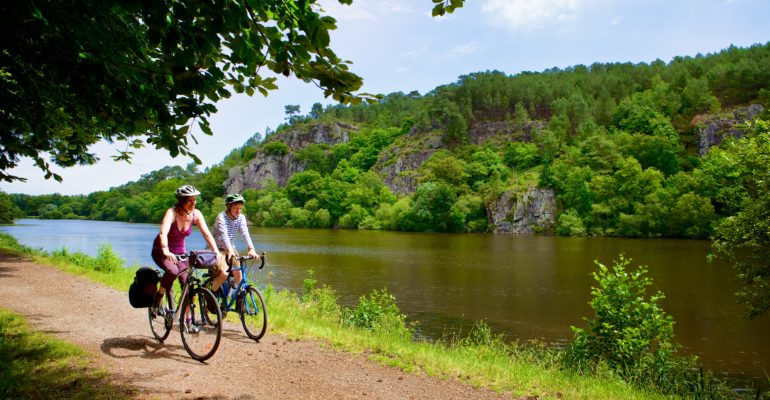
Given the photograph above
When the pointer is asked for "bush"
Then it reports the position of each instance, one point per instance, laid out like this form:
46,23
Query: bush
378,312
276,148
630,334
570,224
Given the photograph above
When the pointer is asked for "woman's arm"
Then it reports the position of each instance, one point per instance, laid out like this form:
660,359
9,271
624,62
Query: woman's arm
165,226
205,231
245,235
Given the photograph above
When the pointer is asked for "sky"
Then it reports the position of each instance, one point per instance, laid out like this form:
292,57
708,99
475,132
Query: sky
395,45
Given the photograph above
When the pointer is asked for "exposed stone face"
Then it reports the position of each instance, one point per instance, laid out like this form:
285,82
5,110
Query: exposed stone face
715,130
331,134
534,211
398,164
260,170
502,131
279,169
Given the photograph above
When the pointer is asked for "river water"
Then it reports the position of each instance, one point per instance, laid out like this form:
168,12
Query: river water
527,287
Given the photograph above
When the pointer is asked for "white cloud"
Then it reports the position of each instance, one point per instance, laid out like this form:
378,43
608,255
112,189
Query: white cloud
467,48
412,54
397,7
342,12
616,20
529,15
364,11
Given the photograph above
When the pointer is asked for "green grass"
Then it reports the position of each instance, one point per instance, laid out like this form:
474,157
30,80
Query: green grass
37,366
523,370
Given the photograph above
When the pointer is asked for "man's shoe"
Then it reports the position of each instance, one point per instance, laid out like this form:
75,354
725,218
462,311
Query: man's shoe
239,302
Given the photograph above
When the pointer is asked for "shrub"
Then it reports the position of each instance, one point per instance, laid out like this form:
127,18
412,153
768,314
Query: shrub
378,312
276,148
570,224
630,333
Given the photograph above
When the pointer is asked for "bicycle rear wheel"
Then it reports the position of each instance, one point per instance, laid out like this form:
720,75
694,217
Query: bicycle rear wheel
161,320
253,313
202,335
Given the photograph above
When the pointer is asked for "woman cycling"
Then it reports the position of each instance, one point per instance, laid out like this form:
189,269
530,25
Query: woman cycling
170,242
229,222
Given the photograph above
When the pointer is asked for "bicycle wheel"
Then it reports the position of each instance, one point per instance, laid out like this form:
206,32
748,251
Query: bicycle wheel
202,334
253,313
161,321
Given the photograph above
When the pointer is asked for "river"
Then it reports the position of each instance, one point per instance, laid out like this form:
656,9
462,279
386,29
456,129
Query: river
527,287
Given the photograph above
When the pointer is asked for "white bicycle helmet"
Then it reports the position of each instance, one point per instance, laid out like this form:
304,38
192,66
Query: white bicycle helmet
187,191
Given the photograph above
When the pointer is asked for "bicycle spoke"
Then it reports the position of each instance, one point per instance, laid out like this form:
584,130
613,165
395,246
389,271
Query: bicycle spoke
160,319
253,313
202,333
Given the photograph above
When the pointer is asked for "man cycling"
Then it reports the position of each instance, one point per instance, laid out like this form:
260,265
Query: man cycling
227,223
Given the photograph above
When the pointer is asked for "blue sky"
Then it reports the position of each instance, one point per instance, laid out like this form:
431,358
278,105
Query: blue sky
396,46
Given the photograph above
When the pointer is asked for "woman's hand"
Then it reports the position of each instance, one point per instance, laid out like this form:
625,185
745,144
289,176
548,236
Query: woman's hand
169,255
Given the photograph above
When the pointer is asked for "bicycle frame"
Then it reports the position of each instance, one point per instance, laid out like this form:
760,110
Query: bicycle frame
192,282
230,300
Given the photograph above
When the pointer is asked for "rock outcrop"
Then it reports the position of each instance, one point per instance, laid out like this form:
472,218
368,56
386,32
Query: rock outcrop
279,169
260,170
533,211
398,164
501,132
713,130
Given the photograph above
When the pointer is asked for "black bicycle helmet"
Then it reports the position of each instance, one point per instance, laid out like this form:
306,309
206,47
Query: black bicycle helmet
234,198
187,191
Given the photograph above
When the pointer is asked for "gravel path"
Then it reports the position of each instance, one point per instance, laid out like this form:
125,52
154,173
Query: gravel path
100,320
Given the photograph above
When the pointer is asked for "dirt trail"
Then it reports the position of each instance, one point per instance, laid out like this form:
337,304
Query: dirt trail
100,320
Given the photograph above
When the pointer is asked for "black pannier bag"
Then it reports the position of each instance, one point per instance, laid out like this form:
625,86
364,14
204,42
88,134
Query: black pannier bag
142,291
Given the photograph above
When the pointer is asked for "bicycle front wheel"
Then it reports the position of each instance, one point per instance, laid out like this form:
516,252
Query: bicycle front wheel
253,313
161,319
202,333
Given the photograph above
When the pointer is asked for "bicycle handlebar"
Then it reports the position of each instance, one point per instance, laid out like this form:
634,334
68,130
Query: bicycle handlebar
262,257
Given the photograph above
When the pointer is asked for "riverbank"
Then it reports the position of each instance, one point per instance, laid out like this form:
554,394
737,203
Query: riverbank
298,334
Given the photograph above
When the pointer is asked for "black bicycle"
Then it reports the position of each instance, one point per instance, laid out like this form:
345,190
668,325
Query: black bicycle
199,316
246,299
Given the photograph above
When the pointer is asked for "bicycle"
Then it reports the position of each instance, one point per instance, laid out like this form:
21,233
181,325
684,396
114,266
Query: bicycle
202,333
246,299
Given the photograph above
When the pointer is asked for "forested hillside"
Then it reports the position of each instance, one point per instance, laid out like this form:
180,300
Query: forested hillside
619,149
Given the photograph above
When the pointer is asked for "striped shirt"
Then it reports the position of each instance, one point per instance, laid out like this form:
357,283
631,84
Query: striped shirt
225,228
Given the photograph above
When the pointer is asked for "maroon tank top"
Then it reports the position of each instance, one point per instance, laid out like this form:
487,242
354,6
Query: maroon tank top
176,237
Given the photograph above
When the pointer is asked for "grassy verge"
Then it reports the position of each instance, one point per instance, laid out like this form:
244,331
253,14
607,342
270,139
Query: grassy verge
36,366
482,360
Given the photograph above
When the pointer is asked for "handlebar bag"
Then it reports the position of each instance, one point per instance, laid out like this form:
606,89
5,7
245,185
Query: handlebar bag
142,290
203,259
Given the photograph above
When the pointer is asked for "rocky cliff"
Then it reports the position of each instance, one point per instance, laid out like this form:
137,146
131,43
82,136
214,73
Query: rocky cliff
533,211
279,168
713,129
398,164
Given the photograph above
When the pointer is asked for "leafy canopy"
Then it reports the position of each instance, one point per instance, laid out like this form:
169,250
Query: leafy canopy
147,72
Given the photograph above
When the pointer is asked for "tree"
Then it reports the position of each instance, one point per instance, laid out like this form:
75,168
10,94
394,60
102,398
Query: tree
146,72
292,113
8,210
744,238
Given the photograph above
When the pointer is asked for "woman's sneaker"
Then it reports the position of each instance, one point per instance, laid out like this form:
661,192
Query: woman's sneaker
192,327
156,302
